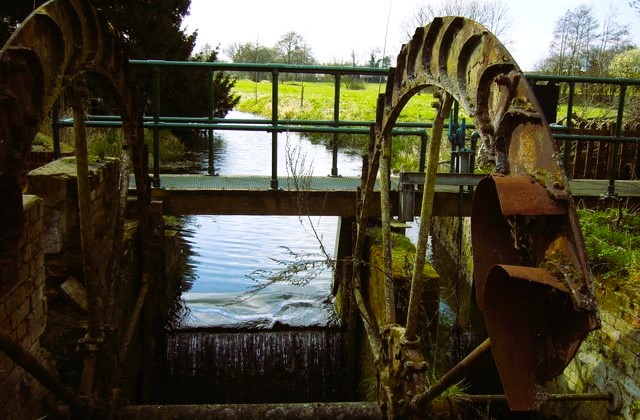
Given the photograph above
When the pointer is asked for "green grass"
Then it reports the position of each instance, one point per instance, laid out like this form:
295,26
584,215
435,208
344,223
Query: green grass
314,101
107,142
612,239
591,113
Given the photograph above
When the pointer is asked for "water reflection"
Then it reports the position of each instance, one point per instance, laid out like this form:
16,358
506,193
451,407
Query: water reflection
227,249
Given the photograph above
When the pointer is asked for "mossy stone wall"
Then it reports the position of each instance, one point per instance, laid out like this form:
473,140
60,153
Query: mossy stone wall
609,355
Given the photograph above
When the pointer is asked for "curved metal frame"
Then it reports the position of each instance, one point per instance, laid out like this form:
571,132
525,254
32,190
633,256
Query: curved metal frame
57,45
466,61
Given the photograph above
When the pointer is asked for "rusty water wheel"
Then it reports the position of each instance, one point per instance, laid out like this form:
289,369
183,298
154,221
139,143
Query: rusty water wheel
531,274
56,46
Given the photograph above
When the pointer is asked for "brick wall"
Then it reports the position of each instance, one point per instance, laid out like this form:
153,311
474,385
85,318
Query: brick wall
49,254
23,319
609,355
56,184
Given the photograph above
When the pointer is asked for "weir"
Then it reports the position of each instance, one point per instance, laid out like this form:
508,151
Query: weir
256,367
529,262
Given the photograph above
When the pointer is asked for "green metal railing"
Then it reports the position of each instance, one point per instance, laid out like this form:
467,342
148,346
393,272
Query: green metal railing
617,139
336,126
275,125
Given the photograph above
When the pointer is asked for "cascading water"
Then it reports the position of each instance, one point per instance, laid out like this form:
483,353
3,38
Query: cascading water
282,344
252,366
227,249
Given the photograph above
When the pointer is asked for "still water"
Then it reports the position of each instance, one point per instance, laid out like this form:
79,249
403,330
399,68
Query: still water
228,249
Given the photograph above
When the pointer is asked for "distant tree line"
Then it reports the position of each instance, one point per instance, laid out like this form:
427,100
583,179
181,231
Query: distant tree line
291,48
581,46
584,46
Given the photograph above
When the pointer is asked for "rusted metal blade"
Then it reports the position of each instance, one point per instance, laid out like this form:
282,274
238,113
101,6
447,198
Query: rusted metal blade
528,283
523,195
535,330
499,239
526,218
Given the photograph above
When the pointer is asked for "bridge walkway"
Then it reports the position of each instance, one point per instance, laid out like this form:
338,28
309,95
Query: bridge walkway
331,196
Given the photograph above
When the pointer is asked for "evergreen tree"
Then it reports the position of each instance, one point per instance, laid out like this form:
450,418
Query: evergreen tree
11,14
151,28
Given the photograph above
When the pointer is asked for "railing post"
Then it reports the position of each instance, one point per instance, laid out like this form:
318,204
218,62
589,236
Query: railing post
156,128
452,132
566,150
423,150
611,189
336,119
55,129
475,136
274,133
210,111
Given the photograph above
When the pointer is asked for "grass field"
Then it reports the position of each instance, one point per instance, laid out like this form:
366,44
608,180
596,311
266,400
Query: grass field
313,101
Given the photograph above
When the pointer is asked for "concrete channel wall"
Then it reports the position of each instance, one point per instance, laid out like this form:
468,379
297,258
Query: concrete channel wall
608,359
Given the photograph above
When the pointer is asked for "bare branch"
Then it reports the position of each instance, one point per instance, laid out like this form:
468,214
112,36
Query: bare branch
495,15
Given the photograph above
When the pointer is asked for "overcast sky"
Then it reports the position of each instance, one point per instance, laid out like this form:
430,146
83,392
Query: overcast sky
335,28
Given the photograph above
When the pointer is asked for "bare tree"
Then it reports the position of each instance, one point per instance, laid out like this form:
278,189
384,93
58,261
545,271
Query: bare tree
574,35
494,14
613,39
354,58
252,52
582,46
293,49
299,268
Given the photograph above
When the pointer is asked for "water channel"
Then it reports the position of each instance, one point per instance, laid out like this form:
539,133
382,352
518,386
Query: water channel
282,344
228,249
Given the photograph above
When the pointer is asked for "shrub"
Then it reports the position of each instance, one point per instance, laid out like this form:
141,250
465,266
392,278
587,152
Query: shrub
43,140
104,142
171,148
612,239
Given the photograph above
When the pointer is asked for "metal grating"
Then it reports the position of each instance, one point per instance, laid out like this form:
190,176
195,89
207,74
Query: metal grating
578,187
316,183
